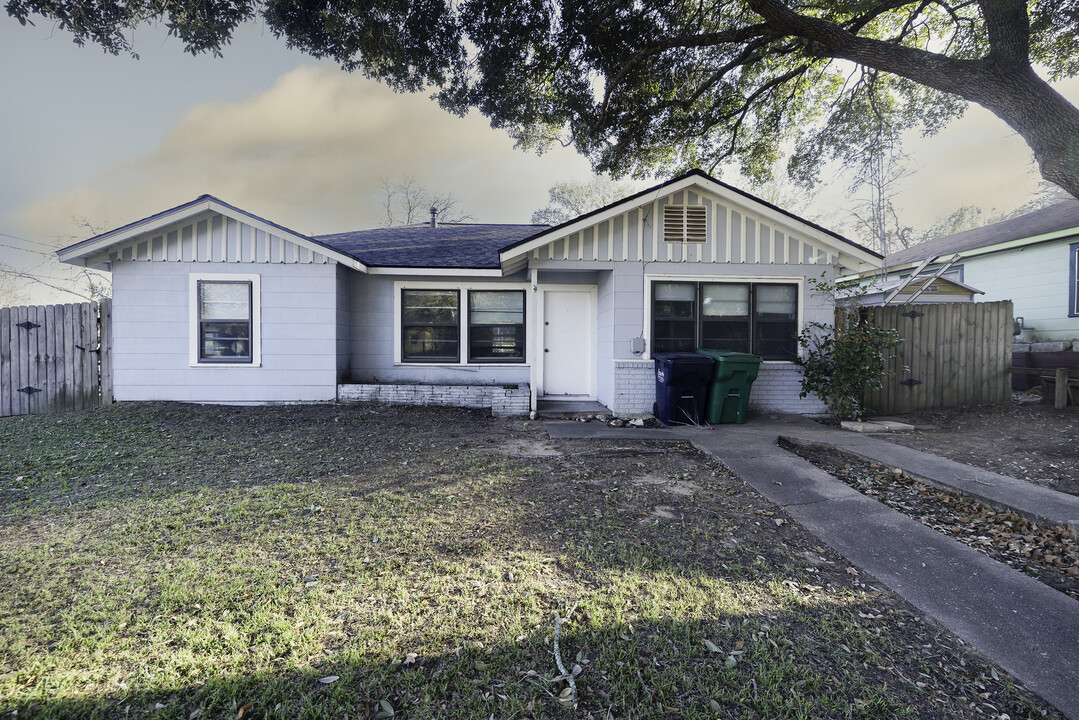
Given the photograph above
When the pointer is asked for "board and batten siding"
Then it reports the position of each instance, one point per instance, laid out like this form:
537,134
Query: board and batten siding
374,332
152,334
734,235
214,238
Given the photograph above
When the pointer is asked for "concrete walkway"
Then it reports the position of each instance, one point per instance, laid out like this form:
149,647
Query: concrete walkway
1025,627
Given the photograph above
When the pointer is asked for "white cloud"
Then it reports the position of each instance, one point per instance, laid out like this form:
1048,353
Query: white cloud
311,153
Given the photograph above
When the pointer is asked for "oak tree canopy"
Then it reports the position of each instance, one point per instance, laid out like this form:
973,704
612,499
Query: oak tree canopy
642,86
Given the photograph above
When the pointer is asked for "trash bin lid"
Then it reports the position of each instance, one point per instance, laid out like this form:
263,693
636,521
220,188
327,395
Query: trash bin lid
683,358
722,356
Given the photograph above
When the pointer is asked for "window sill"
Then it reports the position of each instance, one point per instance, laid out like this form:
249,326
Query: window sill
225,365
460,365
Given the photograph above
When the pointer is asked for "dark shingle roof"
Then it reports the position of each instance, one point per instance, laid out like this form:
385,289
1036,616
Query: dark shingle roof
1054,218
451,245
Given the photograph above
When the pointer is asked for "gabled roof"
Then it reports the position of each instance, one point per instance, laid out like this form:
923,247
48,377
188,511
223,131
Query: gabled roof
449,245
82,252
693,177
1055,221
886,286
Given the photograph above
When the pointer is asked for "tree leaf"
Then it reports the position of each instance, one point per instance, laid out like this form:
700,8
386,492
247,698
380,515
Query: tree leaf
712,647
329,679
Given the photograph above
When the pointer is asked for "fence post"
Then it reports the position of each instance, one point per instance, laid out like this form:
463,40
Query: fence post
1060,401
104,329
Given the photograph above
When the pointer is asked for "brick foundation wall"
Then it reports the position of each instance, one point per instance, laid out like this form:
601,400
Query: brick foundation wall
634,387
776,389
503,400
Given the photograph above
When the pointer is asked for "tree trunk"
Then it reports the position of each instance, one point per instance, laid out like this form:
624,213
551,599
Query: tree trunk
1002,82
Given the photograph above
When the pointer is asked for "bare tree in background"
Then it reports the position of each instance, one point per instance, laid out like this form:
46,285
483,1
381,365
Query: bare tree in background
567,200
407,202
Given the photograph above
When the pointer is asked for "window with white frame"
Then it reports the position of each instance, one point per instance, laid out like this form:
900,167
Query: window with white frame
437,323
758,318
496,326
430,326
225,319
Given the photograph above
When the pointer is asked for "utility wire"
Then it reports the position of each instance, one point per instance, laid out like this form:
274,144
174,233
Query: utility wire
28,240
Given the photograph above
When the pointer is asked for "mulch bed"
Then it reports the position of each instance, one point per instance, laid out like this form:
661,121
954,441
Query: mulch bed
1049,554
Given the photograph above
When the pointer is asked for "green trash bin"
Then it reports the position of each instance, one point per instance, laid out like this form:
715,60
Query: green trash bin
728,392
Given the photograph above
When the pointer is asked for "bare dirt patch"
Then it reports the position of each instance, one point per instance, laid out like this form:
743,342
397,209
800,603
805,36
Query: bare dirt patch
1029,441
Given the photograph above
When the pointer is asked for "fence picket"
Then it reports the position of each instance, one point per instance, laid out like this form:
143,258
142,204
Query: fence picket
960,352
67,357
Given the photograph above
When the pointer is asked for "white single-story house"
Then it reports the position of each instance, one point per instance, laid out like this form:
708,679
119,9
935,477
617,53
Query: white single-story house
1032,260
214,304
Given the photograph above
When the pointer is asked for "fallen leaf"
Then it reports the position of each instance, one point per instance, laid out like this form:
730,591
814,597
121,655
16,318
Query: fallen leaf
714,705
329,679
712,647
244,709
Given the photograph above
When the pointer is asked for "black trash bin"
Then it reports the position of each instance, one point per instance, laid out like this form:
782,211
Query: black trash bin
681,387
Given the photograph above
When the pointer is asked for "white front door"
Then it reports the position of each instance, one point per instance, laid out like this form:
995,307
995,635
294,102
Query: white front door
569,343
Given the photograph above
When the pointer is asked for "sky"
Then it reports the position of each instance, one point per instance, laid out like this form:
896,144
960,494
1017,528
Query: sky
91,141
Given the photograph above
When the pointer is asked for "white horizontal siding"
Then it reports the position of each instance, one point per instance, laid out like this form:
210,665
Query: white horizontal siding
151,335
372,342
1036,279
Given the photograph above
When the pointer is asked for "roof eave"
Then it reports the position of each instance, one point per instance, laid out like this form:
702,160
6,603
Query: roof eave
850,253
90,251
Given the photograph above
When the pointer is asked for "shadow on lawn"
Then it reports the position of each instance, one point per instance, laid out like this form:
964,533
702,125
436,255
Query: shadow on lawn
814,664
405,490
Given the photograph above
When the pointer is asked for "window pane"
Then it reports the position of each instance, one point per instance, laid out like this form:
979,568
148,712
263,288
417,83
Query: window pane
726,300
226,340
496,325
496,307
777,302
725,335
497,342
775,340
224,300
674,317
676,291
434,307
430,343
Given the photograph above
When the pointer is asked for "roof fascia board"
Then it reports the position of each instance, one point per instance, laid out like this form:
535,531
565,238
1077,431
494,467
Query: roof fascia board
436,272
195,211
718,189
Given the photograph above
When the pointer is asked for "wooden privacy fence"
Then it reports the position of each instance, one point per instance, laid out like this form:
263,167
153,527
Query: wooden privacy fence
952,354
55,357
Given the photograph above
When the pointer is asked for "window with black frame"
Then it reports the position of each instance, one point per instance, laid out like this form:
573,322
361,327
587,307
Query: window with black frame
224,309
496,326
674,317
430,326
758,318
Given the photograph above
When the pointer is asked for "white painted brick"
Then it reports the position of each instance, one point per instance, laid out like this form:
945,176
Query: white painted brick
504,401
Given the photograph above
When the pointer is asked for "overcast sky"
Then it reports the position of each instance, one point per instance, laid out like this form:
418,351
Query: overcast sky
89,139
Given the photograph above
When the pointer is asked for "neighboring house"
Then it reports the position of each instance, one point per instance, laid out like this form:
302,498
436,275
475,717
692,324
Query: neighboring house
214,304
1030,260
940,290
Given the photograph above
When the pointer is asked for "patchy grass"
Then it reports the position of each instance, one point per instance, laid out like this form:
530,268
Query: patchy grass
177,561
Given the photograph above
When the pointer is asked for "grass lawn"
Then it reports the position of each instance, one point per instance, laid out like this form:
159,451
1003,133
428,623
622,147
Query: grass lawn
174,561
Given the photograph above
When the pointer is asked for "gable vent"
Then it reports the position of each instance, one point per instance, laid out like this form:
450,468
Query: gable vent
685,223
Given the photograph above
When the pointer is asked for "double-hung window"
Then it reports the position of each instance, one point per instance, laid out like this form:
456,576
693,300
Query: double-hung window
758,318
496,326
436,324
430,326
225,319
